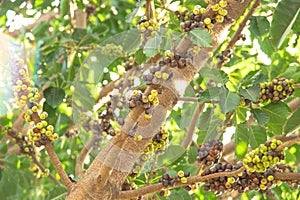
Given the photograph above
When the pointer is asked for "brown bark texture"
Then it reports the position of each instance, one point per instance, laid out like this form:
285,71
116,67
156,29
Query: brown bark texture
108,171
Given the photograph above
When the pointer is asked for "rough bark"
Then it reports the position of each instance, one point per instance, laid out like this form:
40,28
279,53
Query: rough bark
110,168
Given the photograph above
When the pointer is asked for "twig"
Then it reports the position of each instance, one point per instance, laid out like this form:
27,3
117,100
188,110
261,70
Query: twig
58,166
287,176
106,90
159,186
152,169
82,155
148,9
235,36
42,168
227,120
189,134
294,104
191,99
287,144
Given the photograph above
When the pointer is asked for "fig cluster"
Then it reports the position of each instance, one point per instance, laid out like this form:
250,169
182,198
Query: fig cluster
42,132
156,75
128,185
225,56
194,19
113,50
22,86
26,146
38,172
168,181
220,184
173,60
157,145
276,90
148,28
105,116
263,157
137,98
129,63
210,152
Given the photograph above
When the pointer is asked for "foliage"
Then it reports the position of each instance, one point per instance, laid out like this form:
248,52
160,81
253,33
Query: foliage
71,65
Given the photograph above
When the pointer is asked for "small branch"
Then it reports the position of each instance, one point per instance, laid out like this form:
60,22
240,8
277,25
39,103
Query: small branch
294,104
58,166
79,170
235,36
287,144
106,90
152,169
225,123
148,9
194,99
287,176
189,134
191,99
159,186
42,168
80,18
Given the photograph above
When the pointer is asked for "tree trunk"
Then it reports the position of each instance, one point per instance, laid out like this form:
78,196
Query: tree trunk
110,168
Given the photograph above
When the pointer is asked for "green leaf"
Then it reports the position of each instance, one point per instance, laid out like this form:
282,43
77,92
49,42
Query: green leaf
87,40
64,7
278,113
78,34
257,136
180,194
241,141
40,29
131,15
267,46
54,96
251,93
241,114
229,102
11,161
283,19
293,122
152,46
3,147
216,75
259,25
25,162
9,5
62,124
57,193
140,57
192,154
186,115
172,154
260,116
200,37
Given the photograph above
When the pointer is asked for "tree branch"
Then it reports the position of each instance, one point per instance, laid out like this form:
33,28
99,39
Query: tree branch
190,180
287,144
42,168
236,34
79,170
285,176
189,134
118,156
44,17
58,166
